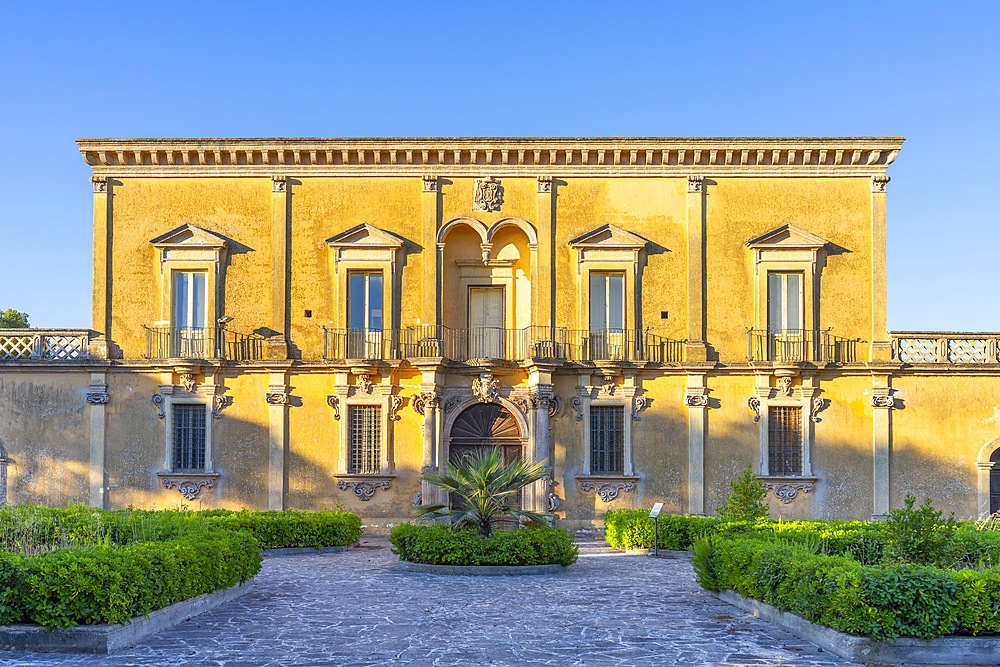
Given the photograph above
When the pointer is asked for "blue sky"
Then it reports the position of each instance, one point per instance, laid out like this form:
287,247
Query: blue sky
929,72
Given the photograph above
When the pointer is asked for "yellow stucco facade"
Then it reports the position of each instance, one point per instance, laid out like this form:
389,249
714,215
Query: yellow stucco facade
315,321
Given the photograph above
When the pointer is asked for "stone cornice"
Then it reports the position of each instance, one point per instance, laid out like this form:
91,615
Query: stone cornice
499,156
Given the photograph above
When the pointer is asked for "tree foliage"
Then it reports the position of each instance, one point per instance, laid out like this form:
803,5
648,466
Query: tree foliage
746,502
13,319
486,490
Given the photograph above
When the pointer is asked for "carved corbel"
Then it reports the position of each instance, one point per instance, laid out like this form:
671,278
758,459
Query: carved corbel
277,394
430,183
638,405
696,184
279,184
816,406
395,403
157,400
97,394
753,404
544,184
334,403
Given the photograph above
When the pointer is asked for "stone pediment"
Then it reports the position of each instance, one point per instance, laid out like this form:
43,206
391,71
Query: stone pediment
788,236
609,237
189,236
365,236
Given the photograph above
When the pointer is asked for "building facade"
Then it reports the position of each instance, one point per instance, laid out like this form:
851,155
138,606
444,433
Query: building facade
309,323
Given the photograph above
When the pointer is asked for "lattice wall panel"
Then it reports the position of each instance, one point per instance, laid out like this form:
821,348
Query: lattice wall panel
63,347
918,350
969,351
15,347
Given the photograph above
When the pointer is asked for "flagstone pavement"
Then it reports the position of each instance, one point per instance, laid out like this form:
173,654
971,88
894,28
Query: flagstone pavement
356,609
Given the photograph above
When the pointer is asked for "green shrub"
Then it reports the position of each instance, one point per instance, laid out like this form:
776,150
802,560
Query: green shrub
633,529
442,545
276,530
746,502
63,567
920,535
885,600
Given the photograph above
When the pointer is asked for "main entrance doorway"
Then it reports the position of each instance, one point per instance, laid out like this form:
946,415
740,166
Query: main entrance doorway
481,427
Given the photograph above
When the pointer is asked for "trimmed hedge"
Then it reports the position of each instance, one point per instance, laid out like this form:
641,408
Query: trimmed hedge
278,530
633,529
108,567
441,545
881,601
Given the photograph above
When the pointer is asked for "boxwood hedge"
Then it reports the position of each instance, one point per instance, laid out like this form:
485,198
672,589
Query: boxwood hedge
441,545
277,530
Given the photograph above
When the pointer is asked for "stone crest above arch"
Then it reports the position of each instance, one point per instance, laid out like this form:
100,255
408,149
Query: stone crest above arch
477,226
523,225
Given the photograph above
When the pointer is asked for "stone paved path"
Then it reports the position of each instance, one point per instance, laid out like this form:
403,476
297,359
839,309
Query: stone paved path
355,608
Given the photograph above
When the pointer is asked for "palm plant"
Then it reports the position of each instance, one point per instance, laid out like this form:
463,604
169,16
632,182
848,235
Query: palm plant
486,489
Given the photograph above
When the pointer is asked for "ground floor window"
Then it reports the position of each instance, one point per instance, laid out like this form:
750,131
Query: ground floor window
607,440
784,440
365,432
188,437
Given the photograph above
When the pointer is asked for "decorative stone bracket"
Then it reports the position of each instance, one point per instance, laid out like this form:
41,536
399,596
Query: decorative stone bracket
607,488
189,484
97,394
364,486
786,489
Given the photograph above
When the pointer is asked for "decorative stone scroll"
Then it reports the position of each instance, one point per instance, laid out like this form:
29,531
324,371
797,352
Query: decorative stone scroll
334,403
696,400
696,184
424,401
488,195
188,485
879,183
787,491
576,404
607,489
276,396
97,394
395,403
638,405
157,400
219,403
817,406
753,404
486,388
879,401
364,489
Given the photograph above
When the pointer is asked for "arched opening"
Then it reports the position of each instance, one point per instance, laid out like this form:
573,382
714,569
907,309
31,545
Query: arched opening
995,482
484,426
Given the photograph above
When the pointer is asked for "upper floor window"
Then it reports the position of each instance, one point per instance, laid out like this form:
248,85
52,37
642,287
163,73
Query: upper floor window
607,301
784,301
190,299
188,437
607,440
364,300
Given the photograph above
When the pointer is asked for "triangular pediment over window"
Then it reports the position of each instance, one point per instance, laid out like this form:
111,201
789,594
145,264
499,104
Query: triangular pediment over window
365,236
189,236
608,236
789,237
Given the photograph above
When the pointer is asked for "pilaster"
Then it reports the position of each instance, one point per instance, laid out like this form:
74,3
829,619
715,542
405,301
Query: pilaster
281,213
882,403
103,232
97,398
881,348
544,279
430,204
695,348
696,400
276,398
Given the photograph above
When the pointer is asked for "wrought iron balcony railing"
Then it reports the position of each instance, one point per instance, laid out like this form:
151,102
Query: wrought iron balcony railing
369,344
539,342
938,347
202,343
45,344
795,345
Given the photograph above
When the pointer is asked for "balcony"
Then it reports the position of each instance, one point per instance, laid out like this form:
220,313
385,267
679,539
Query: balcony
366,344
216,343
936,347
555,343
799,345
44,344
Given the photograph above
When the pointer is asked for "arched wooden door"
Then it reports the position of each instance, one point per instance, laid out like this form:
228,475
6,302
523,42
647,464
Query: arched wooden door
482,426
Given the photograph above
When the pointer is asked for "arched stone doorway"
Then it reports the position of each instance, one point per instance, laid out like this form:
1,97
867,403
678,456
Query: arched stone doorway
482,426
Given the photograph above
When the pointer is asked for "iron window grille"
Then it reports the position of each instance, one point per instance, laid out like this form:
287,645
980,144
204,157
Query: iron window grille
365,440
607,440
188,437
784,440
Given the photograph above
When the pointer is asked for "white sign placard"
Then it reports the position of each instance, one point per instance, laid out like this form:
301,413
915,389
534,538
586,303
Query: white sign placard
656,510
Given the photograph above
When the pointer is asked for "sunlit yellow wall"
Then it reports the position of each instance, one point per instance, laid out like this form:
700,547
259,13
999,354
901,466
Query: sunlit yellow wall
740,209
238,209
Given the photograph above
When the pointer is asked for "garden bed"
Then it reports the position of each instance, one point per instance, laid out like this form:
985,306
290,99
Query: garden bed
519,547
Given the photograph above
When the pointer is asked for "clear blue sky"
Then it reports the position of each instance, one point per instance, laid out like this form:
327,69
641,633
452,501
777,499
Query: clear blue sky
929,72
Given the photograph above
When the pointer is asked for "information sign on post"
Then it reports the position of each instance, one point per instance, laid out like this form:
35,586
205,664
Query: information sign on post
655,516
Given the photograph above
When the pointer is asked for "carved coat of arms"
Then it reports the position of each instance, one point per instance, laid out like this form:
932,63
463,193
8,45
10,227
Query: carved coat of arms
486,388
488,195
